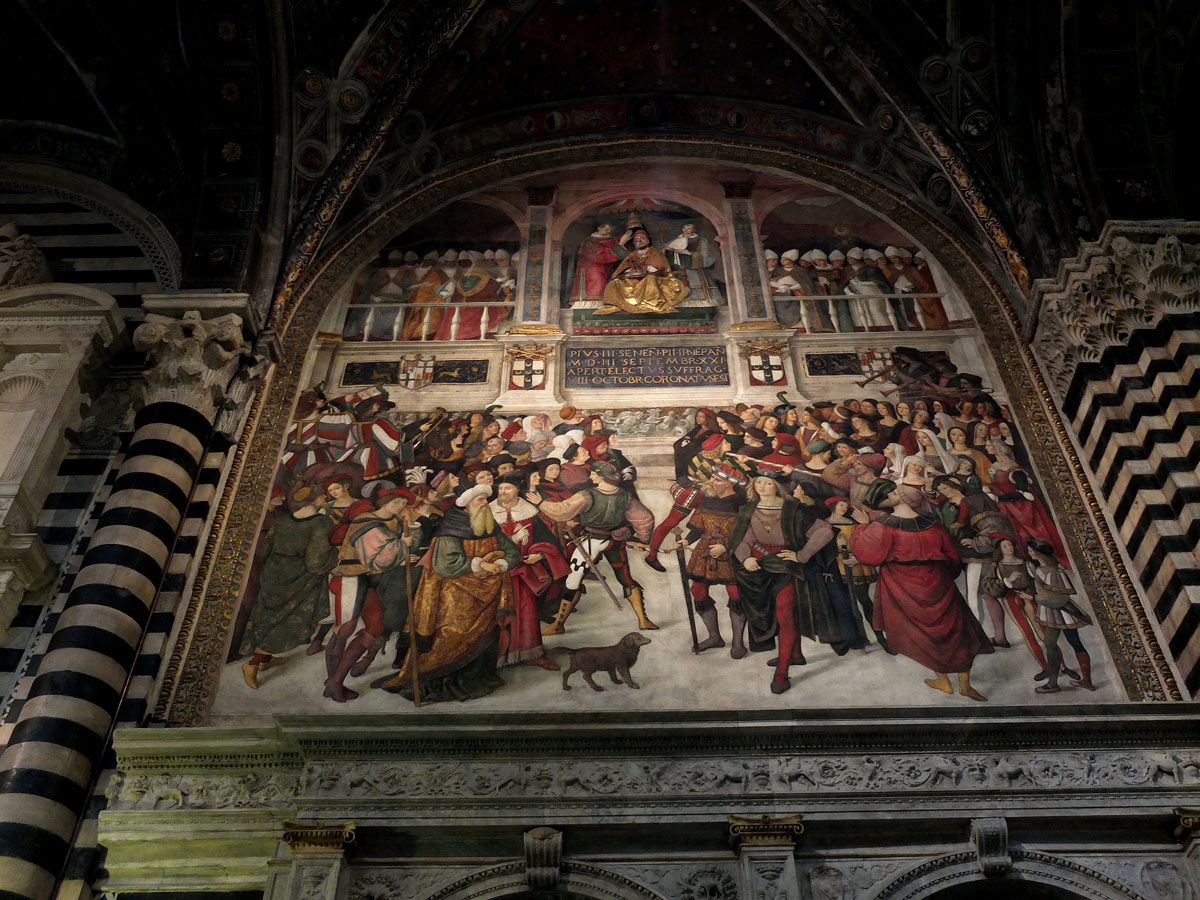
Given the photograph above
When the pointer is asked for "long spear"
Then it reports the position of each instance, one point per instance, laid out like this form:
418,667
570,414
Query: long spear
687,593
413,653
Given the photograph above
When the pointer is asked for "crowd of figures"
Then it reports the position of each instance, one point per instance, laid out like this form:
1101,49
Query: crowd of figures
449,295
468,538
863,289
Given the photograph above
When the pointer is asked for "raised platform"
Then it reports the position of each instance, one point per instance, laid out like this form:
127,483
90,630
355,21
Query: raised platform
685,319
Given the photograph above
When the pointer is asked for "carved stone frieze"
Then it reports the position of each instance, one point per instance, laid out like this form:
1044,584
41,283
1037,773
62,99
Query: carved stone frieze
191,359
709,880
239,790
847,880
1152,877
796,775
1127,280
389,883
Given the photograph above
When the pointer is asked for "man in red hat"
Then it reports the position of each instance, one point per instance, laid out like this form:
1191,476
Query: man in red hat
602,447
685,493
785,453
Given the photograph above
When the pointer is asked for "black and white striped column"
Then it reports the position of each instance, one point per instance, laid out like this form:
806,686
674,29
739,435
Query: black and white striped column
59,739
1119,335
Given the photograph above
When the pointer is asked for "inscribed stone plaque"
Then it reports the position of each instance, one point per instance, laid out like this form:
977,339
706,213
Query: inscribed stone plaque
625,367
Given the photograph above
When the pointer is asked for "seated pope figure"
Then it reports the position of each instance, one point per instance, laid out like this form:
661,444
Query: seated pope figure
643,282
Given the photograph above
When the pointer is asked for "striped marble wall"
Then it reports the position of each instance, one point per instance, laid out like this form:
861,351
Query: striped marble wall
95,665
1119,334
85,245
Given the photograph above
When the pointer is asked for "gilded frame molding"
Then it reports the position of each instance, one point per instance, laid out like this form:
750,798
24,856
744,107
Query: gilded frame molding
197,656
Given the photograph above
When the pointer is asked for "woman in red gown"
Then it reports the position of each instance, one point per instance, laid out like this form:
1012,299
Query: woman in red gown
917,604
1024,511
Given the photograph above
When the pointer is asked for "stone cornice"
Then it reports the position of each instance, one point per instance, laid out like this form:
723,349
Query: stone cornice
59,313
294,741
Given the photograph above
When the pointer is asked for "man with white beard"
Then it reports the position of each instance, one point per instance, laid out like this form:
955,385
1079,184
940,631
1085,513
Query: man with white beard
868,284
465,598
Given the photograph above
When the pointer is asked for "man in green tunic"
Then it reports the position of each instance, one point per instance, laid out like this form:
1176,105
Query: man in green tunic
608,516
293,593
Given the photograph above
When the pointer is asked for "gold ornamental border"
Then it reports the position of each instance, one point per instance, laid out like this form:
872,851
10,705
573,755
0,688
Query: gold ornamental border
196,659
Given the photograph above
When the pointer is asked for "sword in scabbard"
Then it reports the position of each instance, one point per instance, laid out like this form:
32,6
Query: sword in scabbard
578,542
687,593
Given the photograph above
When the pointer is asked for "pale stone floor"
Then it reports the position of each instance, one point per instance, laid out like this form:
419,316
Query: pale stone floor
670,675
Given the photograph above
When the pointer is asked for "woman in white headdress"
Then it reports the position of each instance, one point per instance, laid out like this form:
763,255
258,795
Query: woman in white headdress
895,455
937,460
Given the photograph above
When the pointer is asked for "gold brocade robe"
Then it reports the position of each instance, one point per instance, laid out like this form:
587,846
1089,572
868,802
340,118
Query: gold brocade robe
635,289
459,612
422,324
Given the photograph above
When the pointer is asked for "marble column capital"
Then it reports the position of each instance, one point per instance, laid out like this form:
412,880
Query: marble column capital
318,837
191,359
763,831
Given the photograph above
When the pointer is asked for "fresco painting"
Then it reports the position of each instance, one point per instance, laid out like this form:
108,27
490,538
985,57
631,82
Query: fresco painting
854,276
875,535
901,527
642,265
452,279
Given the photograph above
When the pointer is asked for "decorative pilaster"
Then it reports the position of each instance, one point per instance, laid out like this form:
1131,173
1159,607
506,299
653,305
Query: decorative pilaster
58,741
762,363
1117,334
318,870
766,855
749,294
51,334
531,377
537,285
